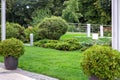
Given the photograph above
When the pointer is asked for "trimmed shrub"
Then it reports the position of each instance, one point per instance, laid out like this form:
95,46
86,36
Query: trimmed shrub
53,41
74,44
49,45
86,45
67,45
11,31
20,31
14,30
63,46
46,43
35,32
102,62
72,40
11,47
40,43
53,28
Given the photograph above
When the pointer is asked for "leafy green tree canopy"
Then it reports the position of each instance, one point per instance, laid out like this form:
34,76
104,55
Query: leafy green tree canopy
71,12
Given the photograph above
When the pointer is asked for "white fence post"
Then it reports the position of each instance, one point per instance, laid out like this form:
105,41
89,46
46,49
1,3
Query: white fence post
88,30
101,31
31,39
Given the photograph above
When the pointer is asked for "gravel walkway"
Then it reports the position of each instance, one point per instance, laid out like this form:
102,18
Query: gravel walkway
32,75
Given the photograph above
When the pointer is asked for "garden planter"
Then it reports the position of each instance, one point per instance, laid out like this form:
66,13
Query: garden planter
93,78
11,63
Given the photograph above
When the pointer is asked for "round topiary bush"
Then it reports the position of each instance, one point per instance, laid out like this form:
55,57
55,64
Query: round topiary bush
14,30
53,28
19,29
101,62
11,47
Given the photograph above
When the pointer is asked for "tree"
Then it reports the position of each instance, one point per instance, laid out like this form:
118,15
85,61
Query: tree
96,11
57,7
38,15
86,11
20,11
105,6
71,12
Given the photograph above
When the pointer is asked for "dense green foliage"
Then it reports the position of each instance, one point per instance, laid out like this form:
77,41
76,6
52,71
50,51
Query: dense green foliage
11,47
71,28
92,11
53,28
96,11
86,42
66,45
20,10
72,41
107,31
71,12
35,32
86,45
38,15
102,62
14,30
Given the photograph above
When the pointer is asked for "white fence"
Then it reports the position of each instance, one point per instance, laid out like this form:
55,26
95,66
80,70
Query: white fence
102,30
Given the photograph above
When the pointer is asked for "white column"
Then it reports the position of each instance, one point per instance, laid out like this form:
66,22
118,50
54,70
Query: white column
88,30
3,20
31,39
118,27
116,24
101,30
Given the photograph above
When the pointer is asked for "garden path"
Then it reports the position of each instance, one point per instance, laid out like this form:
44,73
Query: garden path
20,74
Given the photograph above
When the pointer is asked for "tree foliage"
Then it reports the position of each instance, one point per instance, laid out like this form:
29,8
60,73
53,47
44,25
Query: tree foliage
84,11
14,30
20,10
96,11
38,15
71,11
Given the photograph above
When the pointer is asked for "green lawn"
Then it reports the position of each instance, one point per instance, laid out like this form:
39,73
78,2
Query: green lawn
63,65
69,35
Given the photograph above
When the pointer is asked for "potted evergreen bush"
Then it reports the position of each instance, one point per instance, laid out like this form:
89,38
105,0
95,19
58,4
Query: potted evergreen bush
101,63
11,49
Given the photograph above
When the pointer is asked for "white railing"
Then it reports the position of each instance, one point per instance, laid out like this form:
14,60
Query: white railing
102,30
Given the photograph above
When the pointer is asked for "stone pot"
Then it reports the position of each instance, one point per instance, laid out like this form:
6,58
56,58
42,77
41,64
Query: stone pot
11,63
93,78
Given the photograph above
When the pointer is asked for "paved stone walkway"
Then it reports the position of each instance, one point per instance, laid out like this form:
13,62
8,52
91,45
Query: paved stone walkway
20,74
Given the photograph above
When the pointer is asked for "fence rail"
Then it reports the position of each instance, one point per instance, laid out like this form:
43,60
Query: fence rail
94,28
